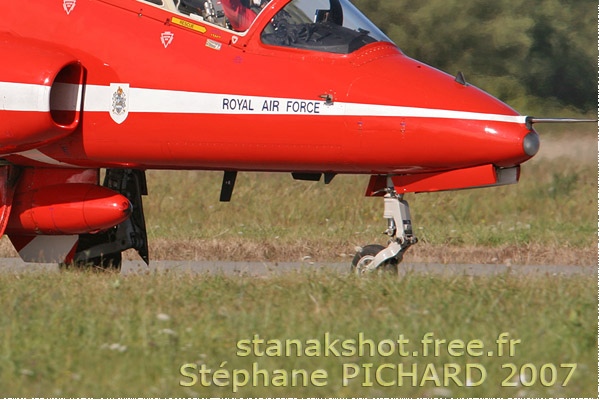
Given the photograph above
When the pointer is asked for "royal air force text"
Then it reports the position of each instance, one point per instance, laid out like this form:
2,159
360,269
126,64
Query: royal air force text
271,106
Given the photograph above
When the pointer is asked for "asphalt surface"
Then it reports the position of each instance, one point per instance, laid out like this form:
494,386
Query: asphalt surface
265,269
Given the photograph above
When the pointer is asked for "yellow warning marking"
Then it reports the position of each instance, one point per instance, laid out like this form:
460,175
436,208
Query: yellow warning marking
189,25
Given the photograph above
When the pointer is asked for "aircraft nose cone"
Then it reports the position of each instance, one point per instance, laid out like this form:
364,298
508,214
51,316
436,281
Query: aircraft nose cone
531,144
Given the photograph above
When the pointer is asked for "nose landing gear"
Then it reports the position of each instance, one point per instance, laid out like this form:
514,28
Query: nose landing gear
386,259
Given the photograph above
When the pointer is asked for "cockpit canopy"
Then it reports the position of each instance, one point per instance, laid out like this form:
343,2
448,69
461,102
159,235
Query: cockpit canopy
333,26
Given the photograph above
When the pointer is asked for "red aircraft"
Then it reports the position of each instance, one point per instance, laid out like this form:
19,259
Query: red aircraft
308,87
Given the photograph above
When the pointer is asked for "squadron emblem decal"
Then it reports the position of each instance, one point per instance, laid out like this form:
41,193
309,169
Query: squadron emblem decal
166,38
69,5
120,102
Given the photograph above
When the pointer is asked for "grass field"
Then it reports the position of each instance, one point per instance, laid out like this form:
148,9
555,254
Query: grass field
97,335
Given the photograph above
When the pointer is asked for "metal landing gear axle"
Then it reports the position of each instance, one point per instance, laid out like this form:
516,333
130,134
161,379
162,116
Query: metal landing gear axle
375,257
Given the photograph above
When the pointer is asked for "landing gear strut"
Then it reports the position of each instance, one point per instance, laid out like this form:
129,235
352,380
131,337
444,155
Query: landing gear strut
378,258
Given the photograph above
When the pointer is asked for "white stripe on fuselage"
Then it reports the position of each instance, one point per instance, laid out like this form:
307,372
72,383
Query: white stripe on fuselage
99,98
37,98
24,97
27,97
36,155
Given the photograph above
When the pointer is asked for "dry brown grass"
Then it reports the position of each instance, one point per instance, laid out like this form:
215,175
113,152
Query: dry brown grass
246,250
240,249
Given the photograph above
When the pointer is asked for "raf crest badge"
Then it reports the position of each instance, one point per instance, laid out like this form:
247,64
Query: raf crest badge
120,102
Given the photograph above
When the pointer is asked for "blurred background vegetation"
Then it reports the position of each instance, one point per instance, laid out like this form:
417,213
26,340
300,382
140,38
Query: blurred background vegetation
539,56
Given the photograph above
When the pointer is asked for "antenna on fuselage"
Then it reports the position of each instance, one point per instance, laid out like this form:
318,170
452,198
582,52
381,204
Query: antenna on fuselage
460,78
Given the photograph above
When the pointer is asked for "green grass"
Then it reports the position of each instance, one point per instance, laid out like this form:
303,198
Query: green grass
549,206
96,335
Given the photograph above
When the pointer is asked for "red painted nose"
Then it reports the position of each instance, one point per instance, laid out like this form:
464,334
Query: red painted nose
432,121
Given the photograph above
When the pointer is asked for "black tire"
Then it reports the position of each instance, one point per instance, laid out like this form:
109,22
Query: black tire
367,254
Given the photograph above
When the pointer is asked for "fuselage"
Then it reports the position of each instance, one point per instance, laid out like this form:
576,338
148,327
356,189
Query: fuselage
161,90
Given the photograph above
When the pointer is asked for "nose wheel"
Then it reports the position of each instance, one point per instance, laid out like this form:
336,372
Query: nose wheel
365,256
375,257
